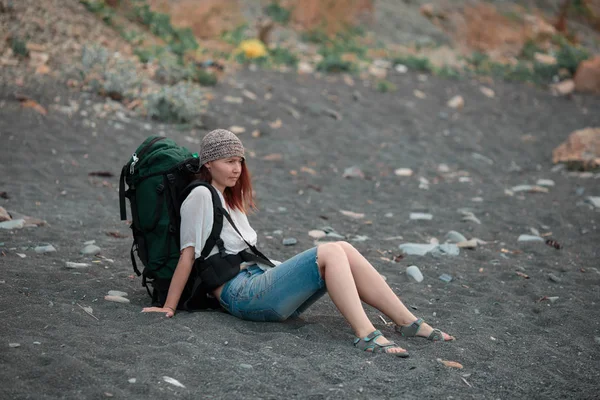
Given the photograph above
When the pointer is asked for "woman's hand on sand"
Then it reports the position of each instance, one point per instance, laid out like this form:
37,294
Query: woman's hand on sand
169,313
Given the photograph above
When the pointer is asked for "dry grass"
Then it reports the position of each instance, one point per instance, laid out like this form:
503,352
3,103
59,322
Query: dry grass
206,18
331,15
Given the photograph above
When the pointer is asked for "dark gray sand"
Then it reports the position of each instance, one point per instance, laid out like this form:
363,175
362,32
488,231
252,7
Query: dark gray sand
511,344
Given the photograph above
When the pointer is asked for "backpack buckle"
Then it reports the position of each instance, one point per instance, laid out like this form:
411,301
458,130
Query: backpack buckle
160,188
171,178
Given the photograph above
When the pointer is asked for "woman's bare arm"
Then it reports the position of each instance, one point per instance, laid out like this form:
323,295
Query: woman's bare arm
180,277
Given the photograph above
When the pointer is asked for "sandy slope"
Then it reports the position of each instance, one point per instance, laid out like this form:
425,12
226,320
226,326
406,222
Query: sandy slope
538,350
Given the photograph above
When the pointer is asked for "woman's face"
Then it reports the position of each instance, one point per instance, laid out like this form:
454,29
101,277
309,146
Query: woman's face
225,172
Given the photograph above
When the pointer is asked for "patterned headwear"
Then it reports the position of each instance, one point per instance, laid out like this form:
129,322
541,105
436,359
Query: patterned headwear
218,144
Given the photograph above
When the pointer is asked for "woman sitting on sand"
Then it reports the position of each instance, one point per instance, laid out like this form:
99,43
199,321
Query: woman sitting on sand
261,293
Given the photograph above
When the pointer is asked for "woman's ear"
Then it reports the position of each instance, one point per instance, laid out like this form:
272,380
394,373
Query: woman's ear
207,165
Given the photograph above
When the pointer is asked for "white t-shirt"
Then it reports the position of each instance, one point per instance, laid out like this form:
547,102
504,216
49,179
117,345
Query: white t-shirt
197,221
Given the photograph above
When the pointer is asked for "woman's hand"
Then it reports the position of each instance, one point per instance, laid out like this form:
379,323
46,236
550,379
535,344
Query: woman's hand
169,312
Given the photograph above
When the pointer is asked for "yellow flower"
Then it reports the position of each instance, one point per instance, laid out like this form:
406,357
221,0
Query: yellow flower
253,48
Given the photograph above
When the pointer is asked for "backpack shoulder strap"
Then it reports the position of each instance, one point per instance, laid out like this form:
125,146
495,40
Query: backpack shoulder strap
215,233
262,257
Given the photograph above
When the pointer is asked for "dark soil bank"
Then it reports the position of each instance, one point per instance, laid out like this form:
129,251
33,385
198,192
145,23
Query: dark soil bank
512,341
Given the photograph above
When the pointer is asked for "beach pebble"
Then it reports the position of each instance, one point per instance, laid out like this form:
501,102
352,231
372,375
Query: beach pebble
414,272
37,343
593,200
353,172
289,241
403,172
445,278
132,380
90,250
74,265
545,182
530,238
14,345
597,339
278,232
246,366
446,249
21,255
117,293
468,244
553,299
116,299
317,234
421,216
389,215
469,216
45,249
89,242
13,224
173,381
455,237
416,249
554,278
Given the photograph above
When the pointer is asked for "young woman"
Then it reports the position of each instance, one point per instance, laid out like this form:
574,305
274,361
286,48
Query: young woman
261,293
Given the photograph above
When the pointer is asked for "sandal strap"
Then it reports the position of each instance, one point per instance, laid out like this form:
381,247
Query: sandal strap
410,330
436,335
368,343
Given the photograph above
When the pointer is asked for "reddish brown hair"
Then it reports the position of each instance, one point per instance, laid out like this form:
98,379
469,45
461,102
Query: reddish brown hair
239,196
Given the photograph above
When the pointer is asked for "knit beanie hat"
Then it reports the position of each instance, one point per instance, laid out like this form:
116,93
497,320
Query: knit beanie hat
218,144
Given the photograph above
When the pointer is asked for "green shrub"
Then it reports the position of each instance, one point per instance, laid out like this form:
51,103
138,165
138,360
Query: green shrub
100,8
19,46
235,36
334,63
121,80
385,86
529,49
181,103
447,72
283,56
94,56
569,57
149,54
278,13
170,70
204,78
414,63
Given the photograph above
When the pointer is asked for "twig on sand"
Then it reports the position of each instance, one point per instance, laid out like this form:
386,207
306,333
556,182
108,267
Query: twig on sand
385,322
87,312
465,381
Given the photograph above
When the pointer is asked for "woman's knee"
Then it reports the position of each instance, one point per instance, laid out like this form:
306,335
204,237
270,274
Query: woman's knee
345,245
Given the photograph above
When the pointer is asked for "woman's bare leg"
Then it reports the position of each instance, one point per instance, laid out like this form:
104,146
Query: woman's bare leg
335,270
374,291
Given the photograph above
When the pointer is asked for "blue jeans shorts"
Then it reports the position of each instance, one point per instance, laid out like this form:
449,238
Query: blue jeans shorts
275,294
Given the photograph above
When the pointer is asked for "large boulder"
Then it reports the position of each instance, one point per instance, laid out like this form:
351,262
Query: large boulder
587,76
581,150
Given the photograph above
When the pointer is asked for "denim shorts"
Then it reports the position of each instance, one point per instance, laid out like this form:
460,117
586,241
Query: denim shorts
275,294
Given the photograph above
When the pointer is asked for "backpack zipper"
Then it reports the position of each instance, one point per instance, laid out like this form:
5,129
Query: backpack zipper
136,157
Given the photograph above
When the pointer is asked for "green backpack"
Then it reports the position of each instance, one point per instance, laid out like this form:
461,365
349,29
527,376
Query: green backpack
156,175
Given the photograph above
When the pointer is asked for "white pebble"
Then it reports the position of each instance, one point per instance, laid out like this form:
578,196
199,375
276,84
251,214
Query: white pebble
13,345
117,293
116,299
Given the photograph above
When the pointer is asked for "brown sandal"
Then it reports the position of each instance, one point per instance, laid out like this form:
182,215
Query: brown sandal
412,330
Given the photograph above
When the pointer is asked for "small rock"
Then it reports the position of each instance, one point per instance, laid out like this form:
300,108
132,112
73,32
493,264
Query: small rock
116,299
91,250
554,278
414,272
563,88
132,380
4,215
401,68
352,214
468,244
14,345
37,343
445,278
74,265
593,200
45,249
237,129
289,241
21,255
553,299
483,158
353,172
487,92
117,293
403,172
457,102
470,217
545,182
317,234
581,150
530,238
13,224
597,339
421,216
587,76
246,366
419,94
455,237
173,381
233,100
89,242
